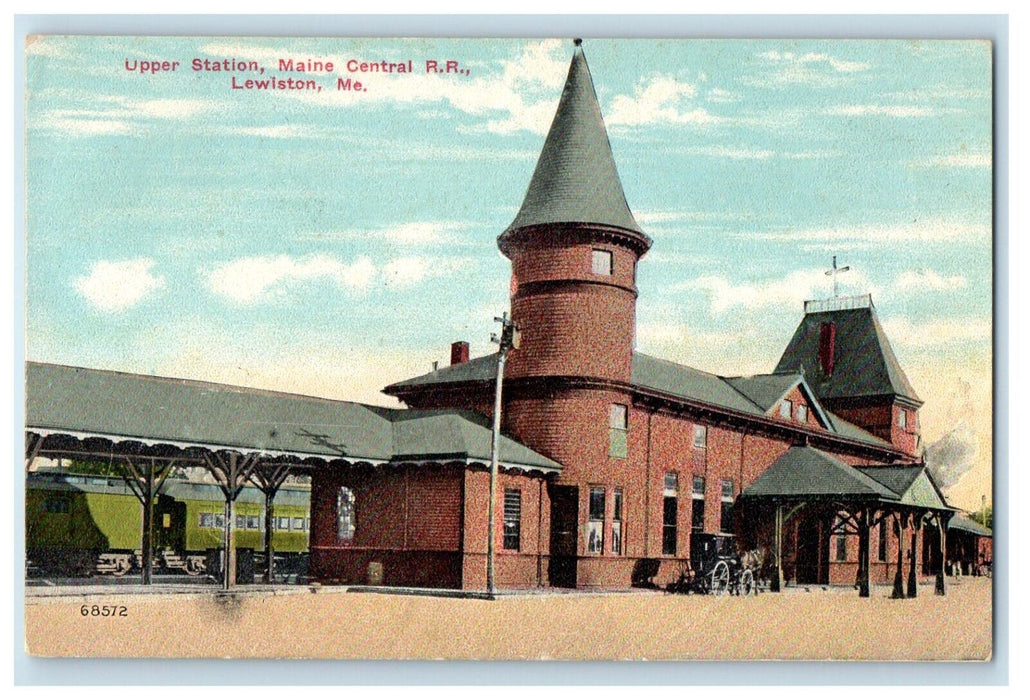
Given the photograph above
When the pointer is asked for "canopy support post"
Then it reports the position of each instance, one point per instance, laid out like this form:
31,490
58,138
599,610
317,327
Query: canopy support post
899,588
863,553
777,577
912,587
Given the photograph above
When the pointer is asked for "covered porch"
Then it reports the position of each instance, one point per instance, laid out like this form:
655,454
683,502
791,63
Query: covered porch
815,516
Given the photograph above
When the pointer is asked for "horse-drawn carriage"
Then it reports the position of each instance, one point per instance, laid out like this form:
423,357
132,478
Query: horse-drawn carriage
717,566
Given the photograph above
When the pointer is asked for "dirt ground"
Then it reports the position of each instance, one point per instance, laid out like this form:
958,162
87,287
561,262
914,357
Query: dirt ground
834,624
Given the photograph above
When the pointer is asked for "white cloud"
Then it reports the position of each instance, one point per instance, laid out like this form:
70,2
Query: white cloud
792,290
720,95
901,111
404,272
940,332
117,286
250,280
839,65
414,233
662,99
927,280
116,115
279,131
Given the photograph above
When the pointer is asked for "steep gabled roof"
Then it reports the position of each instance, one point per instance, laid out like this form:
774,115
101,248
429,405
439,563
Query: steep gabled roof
808,472
767,390
864,362
575,180
912,484
121,407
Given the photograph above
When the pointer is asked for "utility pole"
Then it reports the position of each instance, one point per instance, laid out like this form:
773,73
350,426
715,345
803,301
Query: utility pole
508,339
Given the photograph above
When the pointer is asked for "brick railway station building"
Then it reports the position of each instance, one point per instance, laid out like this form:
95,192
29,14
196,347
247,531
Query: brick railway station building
611,459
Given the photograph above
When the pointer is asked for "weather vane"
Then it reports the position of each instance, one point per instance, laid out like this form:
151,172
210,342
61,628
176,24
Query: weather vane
834,272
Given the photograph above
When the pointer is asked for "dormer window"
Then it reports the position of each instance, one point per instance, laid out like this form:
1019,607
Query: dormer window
903,419
602,263
801,413
786,409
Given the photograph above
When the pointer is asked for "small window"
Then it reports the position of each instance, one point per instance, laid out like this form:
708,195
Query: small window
297,525
617,521
595,525
512,519
56,505
786,408
842,548
700,436
602,263
345,518
253,522
241,522
618,431
882,549
671,484
220,521
802,413
166,520
697,512
903,419
207,520
669,525
726,513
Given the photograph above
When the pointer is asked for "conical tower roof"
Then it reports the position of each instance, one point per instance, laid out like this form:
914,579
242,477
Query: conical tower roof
575,180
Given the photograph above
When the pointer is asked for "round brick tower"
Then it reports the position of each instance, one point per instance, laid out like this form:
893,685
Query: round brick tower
574,247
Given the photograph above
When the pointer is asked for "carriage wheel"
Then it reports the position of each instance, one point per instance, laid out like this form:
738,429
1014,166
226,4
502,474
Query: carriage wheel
747,582
720,578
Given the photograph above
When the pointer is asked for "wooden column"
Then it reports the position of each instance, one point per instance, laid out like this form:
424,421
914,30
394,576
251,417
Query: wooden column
231,470
863,553
777,575
145,480
269,477
942,527
912,583
899,587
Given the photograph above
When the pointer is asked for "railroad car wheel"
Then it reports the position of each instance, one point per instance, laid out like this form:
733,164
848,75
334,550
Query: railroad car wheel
747,583
720,578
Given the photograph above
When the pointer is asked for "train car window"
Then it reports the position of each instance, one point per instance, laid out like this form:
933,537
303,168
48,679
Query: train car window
253,522
297,524
282,524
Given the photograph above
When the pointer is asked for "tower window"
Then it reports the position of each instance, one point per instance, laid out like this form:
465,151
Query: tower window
903,419
618,430
602,263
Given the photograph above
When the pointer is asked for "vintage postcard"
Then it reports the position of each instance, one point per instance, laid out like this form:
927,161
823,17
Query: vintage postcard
509,348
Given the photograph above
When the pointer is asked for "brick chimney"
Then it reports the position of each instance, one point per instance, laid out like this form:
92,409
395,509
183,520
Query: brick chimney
459,352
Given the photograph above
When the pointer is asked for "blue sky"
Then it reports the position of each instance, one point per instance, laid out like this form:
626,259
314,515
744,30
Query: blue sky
333,242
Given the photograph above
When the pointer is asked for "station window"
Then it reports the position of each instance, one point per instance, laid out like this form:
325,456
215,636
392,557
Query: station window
786,408
512,519
345,515
842,548
617,521
697,513
700,436
881,552
802,413
618,431
602,263
56,505
669,513
595,524
726,512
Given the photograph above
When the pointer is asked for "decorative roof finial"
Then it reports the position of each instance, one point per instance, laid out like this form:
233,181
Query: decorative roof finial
577,42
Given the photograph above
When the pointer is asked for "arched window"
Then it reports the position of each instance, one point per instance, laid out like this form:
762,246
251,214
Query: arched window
345,516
